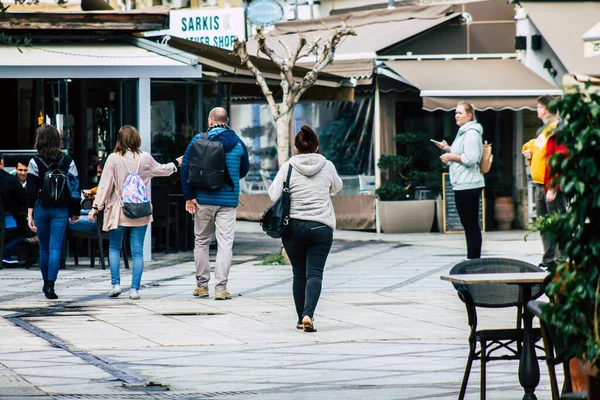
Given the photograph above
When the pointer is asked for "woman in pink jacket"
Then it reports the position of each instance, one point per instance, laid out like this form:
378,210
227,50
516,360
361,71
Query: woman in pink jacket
127,157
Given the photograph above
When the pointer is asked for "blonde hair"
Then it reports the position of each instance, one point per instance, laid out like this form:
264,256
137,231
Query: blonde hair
469,109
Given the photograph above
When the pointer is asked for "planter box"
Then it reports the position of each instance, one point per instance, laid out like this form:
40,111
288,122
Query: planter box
413,216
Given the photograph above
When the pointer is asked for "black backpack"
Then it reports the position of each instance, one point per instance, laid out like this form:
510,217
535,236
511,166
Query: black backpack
55,189
207,164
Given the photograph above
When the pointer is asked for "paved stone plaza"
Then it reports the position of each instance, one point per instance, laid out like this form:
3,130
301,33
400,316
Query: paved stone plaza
388,327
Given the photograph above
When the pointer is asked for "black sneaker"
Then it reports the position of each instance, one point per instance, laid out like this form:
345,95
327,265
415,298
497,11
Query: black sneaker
9,260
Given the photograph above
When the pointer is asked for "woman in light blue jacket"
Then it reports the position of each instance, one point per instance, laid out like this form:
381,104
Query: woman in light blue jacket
463,157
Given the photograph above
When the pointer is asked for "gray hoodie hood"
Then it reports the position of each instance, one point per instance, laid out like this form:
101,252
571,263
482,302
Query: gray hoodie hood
474,125
308,164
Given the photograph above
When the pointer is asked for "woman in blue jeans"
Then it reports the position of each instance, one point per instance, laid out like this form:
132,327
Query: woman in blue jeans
309,235
50,219
126,159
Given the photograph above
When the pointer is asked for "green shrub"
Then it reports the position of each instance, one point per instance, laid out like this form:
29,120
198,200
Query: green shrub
410,168
272,259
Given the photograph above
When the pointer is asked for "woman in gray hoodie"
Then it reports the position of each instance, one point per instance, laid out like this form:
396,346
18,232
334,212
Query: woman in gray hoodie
467,181
309,235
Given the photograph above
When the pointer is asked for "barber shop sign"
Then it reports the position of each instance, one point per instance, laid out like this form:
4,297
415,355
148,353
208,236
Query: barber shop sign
215,27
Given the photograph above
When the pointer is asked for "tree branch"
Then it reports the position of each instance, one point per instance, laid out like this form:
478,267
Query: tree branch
262,46
313,48
295,56
239,50
324,59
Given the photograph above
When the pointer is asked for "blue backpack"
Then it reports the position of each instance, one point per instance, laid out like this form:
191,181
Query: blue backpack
135,198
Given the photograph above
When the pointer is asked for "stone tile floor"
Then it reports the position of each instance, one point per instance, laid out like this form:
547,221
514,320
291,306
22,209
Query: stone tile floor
388,328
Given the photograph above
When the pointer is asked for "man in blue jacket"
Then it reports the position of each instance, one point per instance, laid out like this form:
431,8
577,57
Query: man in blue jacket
215,210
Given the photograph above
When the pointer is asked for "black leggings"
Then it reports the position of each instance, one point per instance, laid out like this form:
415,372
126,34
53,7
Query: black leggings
467,205
307,243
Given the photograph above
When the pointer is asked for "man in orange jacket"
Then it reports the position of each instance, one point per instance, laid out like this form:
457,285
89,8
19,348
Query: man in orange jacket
536,153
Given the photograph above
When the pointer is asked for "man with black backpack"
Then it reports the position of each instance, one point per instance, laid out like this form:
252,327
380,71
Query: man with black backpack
213,164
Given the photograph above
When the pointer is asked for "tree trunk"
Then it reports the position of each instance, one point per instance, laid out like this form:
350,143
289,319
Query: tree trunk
284,129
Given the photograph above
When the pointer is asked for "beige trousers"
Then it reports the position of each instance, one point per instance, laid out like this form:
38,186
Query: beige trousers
208,220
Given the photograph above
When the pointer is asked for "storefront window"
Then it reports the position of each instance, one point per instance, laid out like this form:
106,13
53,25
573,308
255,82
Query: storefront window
174,118
344,129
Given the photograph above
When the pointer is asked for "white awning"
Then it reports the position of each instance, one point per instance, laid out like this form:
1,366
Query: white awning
95,60
492,84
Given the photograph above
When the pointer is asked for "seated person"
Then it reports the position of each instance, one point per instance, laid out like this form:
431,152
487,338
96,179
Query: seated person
84,224
90,195
13,199
21,170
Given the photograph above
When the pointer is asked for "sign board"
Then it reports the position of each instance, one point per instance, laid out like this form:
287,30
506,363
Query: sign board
264,12
452,222
214,27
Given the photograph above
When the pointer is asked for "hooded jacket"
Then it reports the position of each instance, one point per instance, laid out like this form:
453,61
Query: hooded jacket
236,162
313,180
468,144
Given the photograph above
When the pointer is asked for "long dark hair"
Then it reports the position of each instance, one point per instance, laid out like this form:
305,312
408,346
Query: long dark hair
47,143
128,138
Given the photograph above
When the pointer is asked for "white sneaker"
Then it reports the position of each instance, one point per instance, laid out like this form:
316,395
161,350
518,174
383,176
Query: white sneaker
115,291
134,294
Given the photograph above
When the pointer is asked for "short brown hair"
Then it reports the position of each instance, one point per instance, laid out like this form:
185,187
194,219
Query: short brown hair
306,140
128,139
47,143
546,101
468,108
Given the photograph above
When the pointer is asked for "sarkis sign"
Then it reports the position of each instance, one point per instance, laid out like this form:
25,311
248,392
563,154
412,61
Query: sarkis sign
214,27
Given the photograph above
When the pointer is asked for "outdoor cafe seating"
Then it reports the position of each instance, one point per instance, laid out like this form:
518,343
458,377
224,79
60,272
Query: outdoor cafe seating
494,344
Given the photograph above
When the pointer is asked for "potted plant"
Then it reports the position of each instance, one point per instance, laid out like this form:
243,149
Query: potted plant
410,168
574,292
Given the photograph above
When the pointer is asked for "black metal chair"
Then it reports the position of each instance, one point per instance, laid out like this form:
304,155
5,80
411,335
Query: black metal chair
96,238
555,354
165,214
493,295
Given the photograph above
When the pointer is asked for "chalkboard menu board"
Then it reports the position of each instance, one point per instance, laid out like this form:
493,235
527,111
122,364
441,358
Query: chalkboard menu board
451,219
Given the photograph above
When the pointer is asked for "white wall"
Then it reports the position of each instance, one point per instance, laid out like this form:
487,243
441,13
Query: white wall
534,60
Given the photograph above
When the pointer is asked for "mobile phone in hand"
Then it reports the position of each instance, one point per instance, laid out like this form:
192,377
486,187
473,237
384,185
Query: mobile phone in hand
435,141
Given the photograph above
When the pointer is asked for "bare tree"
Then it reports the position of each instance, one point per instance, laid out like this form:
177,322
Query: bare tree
292,89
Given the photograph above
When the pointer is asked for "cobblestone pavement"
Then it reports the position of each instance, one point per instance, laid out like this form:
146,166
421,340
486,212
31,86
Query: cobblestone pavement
388,328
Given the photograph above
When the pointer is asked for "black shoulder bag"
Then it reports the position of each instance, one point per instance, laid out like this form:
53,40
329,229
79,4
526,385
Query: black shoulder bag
277,217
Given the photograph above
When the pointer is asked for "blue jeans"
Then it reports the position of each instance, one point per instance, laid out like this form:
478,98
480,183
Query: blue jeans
51,223
10,246
10,224
84,224
115,237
